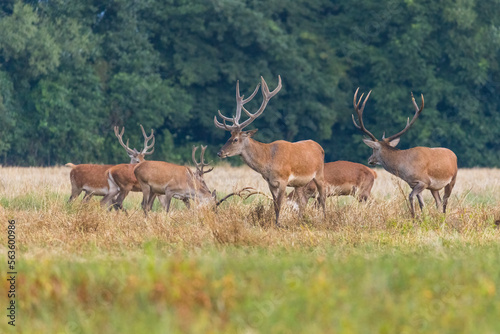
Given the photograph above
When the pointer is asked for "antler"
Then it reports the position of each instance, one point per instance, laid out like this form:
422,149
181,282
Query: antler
361,126
251,191
146,140
240,102
119,135
199,166
408,123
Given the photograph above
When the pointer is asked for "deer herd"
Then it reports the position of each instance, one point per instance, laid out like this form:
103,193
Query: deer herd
282,164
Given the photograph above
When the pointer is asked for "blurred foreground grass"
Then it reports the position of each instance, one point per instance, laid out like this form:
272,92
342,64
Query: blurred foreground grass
370,288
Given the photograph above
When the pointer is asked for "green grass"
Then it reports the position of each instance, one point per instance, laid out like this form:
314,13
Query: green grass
441,287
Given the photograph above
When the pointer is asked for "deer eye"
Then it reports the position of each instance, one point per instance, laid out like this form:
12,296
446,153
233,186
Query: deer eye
235,140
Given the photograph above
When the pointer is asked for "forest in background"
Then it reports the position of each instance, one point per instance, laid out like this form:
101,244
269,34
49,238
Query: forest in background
71,70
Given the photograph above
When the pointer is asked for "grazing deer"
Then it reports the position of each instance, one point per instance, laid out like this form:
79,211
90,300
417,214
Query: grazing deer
280,163
121,179
342,178
92,178
421,167
173,181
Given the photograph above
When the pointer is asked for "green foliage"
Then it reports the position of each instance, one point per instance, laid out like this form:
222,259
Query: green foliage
70,72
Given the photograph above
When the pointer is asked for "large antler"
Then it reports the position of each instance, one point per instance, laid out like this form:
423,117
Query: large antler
146,140
359,112
408,123
249,192
240,102
119,135
201,164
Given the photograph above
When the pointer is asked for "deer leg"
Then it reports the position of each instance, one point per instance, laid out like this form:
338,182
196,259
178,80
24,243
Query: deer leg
420,201
322,193
75,192
145,198
186,203
415,192
110,197
151,199
437,198
118,204
278,193
87,196
447,192
167,201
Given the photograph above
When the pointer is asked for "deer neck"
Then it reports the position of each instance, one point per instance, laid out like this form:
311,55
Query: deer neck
256,155
198,187
395,161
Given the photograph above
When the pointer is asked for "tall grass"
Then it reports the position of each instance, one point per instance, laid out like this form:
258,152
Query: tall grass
365,267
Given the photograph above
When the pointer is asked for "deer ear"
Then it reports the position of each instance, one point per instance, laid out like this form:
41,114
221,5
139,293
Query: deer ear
250,133
394,142
373,144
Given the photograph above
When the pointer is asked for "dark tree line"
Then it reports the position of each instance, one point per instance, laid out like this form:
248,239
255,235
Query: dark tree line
71,70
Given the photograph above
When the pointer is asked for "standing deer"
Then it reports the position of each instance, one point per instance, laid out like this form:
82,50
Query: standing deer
342,178
173,181
92,178
280,163
421,167
89,178
121,179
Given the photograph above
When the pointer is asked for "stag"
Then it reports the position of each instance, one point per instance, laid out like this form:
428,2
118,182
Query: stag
120,178
173,181
342,178
421,167
281,163
92,179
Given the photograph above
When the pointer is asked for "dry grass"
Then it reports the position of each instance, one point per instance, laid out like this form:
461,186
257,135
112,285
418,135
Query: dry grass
36,198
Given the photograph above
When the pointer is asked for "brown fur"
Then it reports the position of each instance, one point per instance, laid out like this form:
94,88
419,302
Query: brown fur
421,167
121,180
342,178
89,178
171,180
280,163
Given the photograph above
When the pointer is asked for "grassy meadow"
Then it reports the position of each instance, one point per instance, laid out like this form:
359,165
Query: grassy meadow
365,268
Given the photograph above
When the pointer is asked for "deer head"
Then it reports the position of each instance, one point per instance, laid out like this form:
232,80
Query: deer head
136,156
200,172
388,143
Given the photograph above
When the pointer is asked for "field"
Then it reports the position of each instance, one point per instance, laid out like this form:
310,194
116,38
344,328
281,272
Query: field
365,268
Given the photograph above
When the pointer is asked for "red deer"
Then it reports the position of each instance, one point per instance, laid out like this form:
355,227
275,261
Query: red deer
92,179
342,178
280,163
89,178
173,181
121,179
421,167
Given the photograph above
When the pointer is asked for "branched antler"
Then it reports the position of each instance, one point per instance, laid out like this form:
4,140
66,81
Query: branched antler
359,112
201,164
240,102
408,123
146,140
249,190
